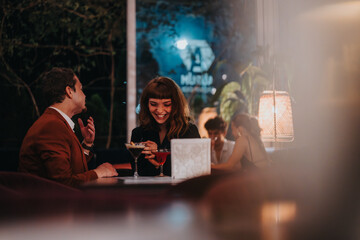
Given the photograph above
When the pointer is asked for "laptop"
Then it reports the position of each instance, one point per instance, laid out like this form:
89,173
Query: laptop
190,157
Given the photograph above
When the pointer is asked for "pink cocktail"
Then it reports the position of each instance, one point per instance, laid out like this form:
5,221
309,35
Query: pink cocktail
161,156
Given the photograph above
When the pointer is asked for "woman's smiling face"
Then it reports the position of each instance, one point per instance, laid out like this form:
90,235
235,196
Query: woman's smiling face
160,109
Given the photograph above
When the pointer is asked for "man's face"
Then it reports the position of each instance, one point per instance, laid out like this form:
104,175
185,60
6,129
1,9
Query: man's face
79,97
216,136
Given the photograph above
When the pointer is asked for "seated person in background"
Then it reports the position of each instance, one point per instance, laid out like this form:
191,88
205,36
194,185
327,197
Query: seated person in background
221,148
50,148
164,115
249,151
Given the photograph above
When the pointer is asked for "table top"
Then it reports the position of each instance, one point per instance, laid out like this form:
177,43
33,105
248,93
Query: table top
126,181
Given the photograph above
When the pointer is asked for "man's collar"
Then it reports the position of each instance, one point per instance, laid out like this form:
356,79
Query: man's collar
226,146
68,120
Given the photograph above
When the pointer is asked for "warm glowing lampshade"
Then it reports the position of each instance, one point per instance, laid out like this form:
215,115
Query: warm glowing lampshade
275,117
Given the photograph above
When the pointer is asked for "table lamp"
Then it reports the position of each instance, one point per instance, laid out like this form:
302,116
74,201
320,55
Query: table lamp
275,117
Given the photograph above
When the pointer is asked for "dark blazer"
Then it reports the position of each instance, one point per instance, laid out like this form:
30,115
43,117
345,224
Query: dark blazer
145,168
51,150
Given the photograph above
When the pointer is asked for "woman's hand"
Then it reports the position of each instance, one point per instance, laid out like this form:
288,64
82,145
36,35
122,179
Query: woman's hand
150,147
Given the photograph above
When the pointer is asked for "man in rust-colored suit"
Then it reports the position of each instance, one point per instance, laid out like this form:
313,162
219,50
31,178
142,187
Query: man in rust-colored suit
50,148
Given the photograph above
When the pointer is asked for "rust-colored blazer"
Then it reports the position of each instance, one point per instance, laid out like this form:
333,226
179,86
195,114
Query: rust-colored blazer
51,150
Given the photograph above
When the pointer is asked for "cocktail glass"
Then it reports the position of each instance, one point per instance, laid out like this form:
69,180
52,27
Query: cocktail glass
161,156
135,149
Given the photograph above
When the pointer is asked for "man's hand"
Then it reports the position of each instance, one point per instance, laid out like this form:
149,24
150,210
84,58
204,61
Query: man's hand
106,170
88,131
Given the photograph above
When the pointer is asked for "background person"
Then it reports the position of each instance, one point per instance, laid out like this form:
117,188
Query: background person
221,148
249,151
164,115
50,148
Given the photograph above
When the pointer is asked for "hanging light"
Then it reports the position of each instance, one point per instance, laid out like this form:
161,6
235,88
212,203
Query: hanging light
181,44
275,117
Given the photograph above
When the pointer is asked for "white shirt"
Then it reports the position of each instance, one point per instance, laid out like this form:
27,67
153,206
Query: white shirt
68,120
225,152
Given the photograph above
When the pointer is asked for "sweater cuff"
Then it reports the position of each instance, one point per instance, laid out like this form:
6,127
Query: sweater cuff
93,175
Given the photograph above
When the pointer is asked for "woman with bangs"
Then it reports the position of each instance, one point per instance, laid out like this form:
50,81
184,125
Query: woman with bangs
164,115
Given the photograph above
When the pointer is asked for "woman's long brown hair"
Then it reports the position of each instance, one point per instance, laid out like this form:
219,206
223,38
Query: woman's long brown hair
165,88
251,124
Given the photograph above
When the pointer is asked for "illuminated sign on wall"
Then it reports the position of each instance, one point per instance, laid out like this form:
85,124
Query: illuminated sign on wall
197,57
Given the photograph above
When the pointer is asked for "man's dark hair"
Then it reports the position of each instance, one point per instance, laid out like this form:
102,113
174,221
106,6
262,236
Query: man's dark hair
54,84
216,123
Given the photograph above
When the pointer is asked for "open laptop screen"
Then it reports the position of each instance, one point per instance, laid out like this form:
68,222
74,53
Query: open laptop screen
190,157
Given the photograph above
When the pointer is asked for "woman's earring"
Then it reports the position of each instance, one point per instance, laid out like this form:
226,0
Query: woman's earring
239,134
